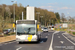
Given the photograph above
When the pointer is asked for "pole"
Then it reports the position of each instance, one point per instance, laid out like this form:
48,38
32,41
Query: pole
14,16
68,25
22,15
41,21
49,24
38,17
68,22
14,12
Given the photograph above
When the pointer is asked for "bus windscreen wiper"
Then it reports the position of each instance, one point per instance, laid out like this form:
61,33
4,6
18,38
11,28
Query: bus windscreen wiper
28,30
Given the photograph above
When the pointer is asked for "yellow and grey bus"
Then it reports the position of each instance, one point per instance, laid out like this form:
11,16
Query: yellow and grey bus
26,31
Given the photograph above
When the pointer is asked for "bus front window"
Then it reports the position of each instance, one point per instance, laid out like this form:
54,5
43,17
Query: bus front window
25,29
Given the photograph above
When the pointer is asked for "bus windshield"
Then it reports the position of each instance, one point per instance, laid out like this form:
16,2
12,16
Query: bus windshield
25,29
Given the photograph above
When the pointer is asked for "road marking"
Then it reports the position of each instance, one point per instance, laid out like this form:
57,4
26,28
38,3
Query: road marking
58,36
46,36
5,43
50,48
9,42
62,42
19,48
68,40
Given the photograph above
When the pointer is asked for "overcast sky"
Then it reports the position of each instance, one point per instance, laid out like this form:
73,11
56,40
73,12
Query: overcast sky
62,6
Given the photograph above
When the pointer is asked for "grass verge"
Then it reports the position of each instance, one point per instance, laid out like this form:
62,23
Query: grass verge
7,38
73,33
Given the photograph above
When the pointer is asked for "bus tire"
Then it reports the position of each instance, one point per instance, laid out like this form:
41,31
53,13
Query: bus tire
39,39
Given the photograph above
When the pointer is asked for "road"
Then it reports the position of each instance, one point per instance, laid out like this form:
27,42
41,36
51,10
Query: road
49,41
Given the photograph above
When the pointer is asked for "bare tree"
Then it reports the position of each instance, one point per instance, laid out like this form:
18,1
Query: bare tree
63,17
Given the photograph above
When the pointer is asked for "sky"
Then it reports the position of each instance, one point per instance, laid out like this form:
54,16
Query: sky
61,6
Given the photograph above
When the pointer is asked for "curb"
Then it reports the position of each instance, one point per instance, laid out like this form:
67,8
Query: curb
70,34
7,41
69,40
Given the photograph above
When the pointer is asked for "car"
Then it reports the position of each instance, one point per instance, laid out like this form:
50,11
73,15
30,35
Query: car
42,28
52,28
9,30
45,29
6,31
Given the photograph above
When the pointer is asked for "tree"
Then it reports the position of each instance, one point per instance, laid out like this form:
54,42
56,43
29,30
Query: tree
9,12
2,23
57,16
0,10
62,17
47,15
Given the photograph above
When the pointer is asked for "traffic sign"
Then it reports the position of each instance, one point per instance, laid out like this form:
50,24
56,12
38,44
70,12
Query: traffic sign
65,25
38,26
13,25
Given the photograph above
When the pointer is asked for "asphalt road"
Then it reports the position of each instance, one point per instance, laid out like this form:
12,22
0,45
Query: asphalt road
61,43
49,41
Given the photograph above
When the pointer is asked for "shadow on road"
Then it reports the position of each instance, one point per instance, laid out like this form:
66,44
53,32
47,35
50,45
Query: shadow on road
42,40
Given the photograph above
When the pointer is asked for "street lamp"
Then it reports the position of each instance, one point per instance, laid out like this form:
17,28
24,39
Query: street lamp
68,22
41,19
49,22
38,15
14,12
14,9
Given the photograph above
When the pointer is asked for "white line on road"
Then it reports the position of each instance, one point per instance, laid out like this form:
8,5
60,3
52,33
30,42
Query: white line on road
9,42
69,40
12,42
58,36
46,36
19,48
62,42
5,43
50,48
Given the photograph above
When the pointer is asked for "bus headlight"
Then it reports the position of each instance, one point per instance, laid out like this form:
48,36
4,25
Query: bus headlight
34,38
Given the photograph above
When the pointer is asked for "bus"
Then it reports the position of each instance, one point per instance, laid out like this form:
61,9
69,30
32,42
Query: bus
26,31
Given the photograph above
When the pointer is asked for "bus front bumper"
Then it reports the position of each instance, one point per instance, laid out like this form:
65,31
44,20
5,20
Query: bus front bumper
25,40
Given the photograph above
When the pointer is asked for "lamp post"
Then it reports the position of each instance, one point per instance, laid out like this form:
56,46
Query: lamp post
14,12
38,15
41,19
14,9
68,22
49,22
